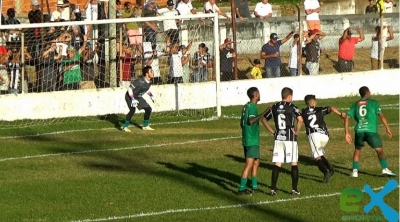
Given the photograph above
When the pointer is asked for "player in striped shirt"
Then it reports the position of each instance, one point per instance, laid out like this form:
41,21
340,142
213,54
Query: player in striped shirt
285,150
317,132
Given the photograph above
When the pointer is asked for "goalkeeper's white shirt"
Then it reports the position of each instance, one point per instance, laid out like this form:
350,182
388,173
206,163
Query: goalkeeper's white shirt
176,69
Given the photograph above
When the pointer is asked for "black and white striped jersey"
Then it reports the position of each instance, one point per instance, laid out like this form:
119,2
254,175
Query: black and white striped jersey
284,115
314,119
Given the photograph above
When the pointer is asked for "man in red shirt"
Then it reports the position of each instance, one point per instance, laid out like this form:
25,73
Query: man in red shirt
347,48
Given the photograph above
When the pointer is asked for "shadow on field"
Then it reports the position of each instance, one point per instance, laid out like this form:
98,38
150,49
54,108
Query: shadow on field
118,123
226,180
270,166
138,164
346,171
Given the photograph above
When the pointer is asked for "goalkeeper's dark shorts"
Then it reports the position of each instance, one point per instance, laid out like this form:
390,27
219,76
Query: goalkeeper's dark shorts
142,102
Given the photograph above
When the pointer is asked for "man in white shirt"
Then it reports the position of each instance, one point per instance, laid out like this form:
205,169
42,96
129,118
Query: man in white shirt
312,9
263,10
185,7
389,4
58,15
170,25
211,7
92,31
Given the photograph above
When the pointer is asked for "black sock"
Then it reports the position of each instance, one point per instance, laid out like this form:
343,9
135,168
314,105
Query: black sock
274,177
295,177
325,161
321,166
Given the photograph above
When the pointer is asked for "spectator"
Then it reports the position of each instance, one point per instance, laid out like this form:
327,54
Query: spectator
50,58
129,56
256,72
294,58
371,8
132,28
377,47
201,62
78,17
177,61
184,7
312,9
71,67
66,13
263,10
170,25
150,28
95,11
226,60
271,53
13,34
152,57
185,67
211,7
155,8
312,50
119,8
32,36
58,15
347,48
242,9
388,6
76,37
4,79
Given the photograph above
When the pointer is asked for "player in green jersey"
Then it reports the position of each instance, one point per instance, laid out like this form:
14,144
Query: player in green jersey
249,123
365,112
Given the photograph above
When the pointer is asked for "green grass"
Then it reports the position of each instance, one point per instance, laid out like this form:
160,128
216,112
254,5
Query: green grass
102,172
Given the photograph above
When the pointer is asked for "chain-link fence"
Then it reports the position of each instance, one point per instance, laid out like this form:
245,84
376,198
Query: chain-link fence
46,59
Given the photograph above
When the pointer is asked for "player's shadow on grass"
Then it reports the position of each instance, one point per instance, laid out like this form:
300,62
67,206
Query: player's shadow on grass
226,180
271,166
114,119
347,171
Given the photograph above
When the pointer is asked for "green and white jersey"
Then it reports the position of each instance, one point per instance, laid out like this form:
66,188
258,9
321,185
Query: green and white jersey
365,112
250,132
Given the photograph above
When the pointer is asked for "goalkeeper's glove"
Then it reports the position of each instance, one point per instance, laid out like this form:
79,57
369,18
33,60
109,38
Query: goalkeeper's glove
152,97
134,102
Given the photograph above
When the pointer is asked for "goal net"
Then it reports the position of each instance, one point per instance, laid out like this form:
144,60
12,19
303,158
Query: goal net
74,71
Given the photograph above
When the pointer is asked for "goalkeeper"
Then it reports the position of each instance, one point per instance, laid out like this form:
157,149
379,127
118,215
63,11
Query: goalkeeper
134,99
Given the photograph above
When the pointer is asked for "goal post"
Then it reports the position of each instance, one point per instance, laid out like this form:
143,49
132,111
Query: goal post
30,101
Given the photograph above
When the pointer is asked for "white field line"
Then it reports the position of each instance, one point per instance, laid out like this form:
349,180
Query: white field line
187,210
393,106
109,128
136,147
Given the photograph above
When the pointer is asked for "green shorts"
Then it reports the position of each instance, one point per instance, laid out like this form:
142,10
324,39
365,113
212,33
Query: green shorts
373,140
252,152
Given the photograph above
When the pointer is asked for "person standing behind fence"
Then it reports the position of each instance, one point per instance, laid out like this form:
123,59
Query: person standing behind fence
312,50
150,28
242,9
376,46
201,62
371,8
256,72
271,53
347,49
312,9
263,10
294,58
132,28
170,25
226,60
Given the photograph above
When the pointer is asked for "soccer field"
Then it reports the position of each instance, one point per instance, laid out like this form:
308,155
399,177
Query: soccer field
182,171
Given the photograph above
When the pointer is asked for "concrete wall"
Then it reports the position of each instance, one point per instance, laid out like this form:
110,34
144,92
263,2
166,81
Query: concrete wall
193,96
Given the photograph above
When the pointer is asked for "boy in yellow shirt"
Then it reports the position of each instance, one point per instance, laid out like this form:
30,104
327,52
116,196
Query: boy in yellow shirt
256,71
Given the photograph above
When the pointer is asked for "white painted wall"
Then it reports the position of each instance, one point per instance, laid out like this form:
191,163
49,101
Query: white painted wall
193,96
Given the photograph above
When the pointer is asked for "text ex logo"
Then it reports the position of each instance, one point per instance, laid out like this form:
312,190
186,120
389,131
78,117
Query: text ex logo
350,196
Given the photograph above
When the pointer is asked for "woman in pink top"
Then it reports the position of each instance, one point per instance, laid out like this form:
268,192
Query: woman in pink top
347,48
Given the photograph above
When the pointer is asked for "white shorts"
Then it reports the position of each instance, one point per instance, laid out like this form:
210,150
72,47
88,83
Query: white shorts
285,152
318,142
